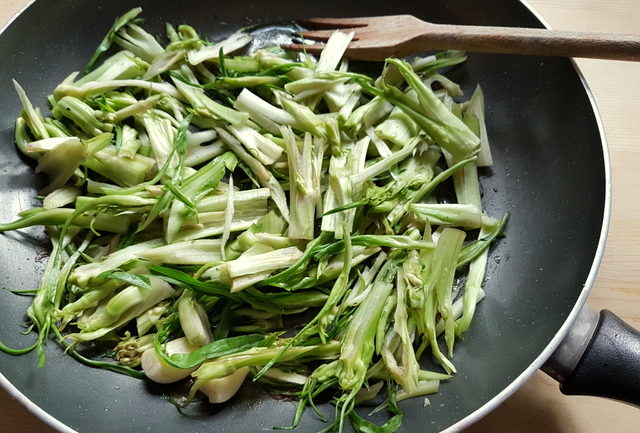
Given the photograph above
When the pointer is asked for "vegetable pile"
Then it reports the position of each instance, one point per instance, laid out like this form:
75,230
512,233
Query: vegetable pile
200,205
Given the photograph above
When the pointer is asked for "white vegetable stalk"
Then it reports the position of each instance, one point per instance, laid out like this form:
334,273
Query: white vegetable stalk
228,219
342,190
385,164
363,285
48,144
259,146
381,147
221,272
161,135
197,138
453,215
201,154
137,108
424,387
196,252
217,218
222,389
82,274
259,109
61,162
138,41
242,283
342,98
33,117
206,106
286,377
368,114
274,241
61,197
241,200
265,177
164,62
314,85
344,106
130,142
475,107
160,290
121,66
159,371
304,188
458,310
398,128
92,88
212,52
269,261
305,119
123,171
150,318
193,320
333,51
359,253
214,225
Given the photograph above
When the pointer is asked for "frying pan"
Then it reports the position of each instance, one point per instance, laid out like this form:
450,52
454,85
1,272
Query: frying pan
551,172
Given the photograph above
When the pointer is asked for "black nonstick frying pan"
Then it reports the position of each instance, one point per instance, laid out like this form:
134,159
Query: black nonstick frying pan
551,173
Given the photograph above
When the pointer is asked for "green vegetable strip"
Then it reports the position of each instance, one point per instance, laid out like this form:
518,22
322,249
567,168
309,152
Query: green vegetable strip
358,346
30,116
444,259
473,249
82,274
52,217
258,356
108,39
216,349
461,141
195,187
384,164
304,190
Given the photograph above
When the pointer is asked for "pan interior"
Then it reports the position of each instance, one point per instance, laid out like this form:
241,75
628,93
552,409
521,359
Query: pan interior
548,173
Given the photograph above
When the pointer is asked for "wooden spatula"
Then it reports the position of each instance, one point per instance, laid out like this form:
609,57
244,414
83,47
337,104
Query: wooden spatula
377,38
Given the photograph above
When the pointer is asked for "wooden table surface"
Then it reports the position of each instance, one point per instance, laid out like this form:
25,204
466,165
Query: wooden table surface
539,407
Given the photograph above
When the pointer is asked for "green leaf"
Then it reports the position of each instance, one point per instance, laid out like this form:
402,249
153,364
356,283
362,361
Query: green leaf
212,288
137,280
177,192
227,346
352,205
223,328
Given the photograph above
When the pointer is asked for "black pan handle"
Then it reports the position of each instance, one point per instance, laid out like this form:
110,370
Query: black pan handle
600,356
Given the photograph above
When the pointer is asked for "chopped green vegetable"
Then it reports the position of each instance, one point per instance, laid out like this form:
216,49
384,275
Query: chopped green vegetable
198,203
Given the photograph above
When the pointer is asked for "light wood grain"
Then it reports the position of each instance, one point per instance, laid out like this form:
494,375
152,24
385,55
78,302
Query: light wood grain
377,38
539,407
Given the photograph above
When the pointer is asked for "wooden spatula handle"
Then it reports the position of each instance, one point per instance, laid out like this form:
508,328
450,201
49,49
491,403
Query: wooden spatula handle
543,42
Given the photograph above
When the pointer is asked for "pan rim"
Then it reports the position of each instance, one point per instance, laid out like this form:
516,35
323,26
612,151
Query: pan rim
517,383
14,392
